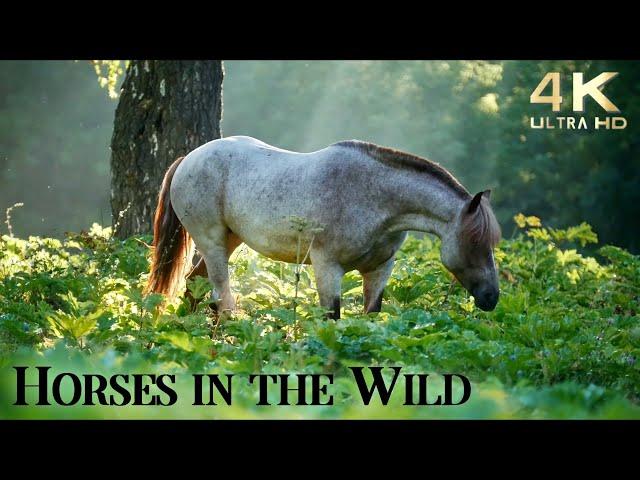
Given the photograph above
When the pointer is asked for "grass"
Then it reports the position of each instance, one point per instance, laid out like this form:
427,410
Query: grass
563,342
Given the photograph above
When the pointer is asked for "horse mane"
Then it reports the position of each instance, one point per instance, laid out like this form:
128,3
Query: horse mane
398,158
481,227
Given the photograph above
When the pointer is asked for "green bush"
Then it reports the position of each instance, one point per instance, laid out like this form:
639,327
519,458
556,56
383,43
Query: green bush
563,342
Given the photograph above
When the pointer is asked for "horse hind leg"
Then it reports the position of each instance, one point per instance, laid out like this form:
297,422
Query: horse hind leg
216,248
199,267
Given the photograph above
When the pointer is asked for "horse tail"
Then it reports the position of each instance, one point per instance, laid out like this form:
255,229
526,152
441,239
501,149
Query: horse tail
172,245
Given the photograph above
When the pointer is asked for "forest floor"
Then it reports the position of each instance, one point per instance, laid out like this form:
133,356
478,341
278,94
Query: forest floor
563,342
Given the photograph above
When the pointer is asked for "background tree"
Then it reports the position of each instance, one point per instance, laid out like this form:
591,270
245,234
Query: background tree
569,176
55,127
166,109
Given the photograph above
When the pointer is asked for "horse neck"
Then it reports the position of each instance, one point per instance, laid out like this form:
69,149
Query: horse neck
424,204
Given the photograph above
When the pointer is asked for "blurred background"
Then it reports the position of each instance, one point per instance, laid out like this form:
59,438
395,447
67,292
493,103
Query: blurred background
470,116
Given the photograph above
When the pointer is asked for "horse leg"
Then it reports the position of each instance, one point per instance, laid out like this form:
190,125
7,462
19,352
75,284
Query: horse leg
200,266
215,250
329,282
373,284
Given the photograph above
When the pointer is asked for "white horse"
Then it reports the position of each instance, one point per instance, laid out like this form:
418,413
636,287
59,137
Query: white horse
360,199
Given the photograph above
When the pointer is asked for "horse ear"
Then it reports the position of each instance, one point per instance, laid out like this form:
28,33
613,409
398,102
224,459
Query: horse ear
487,194
475,202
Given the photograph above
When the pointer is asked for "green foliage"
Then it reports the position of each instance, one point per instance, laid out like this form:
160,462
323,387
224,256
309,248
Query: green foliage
568,175
109,72
563,341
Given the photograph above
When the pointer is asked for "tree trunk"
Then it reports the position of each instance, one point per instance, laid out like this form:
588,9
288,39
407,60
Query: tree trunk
166,109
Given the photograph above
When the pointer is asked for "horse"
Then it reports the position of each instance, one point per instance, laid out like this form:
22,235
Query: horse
361,200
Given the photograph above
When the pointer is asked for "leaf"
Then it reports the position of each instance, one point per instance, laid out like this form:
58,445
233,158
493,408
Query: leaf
199,287
178,339
70,326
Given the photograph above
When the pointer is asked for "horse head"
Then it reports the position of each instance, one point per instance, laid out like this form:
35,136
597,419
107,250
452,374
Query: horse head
467,250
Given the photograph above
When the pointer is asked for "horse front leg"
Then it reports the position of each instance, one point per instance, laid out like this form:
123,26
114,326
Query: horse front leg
373,284
329,282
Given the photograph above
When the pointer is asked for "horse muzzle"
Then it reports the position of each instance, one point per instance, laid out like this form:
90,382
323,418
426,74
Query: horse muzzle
486,299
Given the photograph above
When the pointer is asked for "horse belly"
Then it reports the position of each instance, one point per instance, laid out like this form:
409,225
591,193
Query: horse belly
272,241
264,223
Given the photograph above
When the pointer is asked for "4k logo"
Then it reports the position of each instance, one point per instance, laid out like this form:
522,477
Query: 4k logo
581,89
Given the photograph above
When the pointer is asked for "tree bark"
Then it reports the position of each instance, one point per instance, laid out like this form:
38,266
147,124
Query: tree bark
166,109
